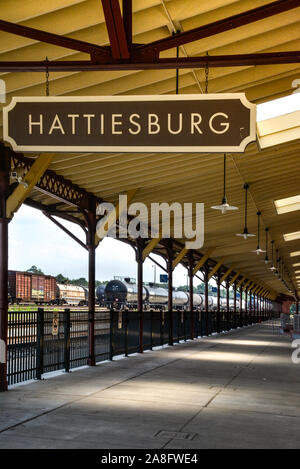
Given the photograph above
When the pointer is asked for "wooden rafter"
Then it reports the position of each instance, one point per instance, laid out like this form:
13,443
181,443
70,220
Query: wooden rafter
238,60
220,26
115,29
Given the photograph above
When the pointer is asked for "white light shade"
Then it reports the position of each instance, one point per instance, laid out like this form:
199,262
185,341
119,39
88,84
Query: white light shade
224,207
258,251
245,234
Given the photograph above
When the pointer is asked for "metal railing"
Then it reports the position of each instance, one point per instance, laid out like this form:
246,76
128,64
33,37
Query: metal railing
41,341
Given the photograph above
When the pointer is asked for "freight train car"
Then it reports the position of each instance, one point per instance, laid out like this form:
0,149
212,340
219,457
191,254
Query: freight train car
71,295
122,294
26,287
100,296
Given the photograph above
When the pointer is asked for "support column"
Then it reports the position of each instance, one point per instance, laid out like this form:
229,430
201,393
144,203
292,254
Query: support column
227,306
139,259
170,255
260,308
250,307
191,292
206,299
297,306
91,223
241,307
4,185
246,306
234,303
256,308
219,303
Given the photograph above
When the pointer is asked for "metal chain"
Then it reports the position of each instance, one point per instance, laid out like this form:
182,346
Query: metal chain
206,76
47,78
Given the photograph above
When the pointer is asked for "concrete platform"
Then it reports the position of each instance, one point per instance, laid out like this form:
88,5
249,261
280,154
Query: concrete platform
235,390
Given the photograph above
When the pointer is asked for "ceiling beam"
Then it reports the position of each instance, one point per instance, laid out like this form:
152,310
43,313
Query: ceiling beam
179,257
30,179
240,282
238,60
203,260
234,278
150,246
63,228
216,267
225,275
219,26
55,39
127,20
115,29
55,185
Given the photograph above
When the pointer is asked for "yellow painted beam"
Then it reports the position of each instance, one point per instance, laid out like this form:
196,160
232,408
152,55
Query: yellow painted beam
203,260
113,217
253,287
260,290
224,276
250,286
246,285
150,246
216,267
240,282
256,289
234,278
31,178
179,257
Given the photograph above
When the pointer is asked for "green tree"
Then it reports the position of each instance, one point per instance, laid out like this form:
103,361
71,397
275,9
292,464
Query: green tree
34,270
61,279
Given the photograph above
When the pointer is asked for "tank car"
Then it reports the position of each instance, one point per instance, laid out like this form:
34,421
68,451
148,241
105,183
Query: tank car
100,294
70,295
122,294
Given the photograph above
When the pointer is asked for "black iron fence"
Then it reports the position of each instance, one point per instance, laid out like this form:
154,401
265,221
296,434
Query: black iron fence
43,341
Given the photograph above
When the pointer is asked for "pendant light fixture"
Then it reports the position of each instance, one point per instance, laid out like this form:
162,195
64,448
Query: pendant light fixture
224,207
245,234
266,259
258,250
272,268
277,263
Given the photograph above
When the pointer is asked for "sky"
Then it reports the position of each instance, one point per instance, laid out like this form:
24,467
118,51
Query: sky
35,240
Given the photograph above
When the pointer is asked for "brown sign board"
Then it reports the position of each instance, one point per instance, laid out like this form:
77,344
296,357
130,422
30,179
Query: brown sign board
168,123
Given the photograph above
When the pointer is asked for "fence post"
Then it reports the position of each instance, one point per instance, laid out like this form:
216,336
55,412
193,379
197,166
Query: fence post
67,326
40,343
111,333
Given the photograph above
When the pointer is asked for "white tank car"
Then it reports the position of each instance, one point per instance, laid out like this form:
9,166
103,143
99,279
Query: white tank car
70,294
180,299
211,302
197,301
157,295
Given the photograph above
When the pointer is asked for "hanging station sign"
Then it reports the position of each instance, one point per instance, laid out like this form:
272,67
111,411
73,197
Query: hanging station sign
169,123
